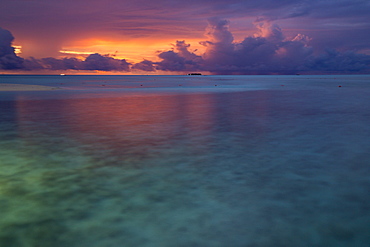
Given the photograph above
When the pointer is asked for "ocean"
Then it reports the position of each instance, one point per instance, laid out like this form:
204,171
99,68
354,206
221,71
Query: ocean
200,161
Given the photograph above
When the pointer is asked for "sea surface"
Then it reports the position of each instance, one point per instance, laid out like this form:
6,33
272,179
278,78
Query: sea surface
186,161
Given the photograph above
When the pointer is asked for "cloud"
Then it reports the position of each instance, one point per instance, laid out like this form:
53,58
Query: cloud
144,65
104,63
219,45
8,59
181,59
266,52
54,24
60,64
92,62
333,60
171,61
6,39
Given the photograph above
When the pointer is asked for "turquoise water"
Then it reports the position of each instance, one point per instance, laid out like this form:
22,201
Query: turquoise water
185,161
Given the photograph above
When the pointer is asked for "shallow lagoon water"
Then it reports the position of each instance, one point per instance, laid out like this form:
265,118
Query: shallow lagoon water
177,161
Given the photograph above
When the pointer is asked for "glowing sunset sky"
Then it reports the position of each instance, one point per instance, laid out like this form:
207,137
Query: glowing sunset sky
221,36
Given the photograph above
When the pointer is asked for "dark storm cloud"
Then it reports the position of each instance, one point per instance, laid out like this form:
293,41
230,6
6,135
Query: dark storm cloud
8,59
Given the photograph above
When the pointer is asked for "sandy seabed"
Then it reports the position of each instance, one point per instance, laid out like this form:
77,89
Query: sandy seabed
24,87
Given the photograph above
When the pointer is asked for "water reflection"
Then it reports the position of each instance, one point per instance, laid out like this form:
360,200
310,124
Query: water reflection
233,169
146,126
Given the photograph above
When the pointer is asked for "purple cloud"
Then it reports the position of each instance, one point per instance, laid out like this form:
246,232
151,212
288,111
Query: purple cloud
60,64
144,65
181,59
104,63
268,51
346,62
8,59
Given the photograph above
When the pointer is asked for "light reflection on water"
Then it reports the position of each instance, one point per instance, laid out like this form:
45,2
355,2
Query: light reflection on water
261,168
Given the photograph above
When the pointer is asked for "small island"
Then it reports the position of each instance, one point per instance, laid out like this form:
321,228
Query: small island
195,74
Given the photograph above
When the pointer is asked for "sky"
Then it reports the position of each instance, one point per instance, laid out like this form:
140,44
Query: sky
177,37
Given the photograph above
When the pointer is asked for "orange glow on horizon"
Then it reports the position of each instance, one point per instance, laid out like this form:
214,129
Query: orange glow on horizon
133,51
